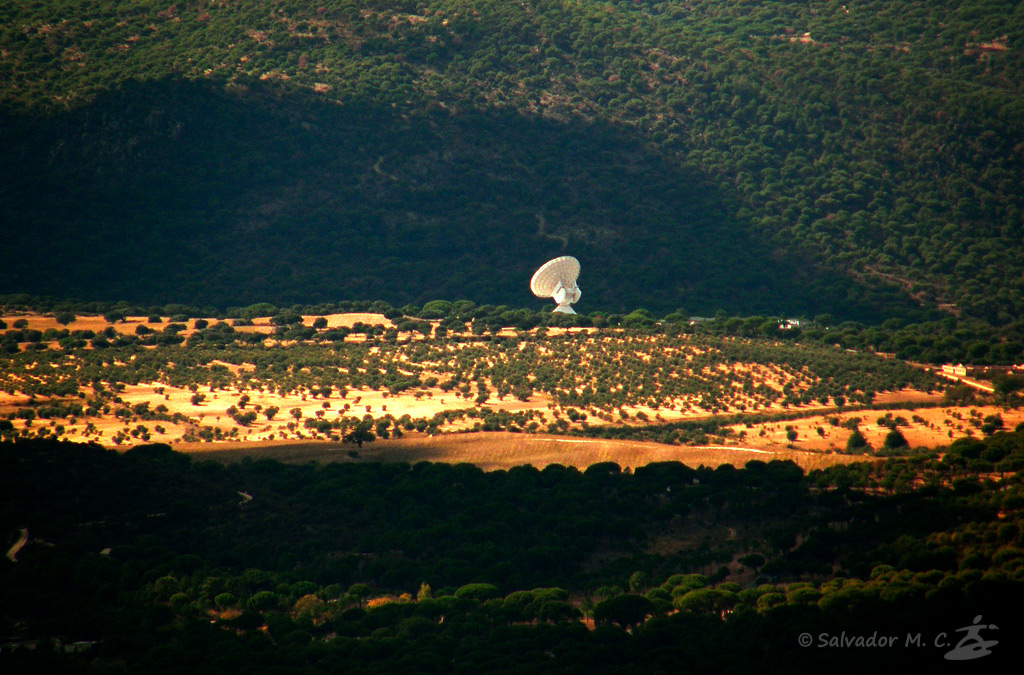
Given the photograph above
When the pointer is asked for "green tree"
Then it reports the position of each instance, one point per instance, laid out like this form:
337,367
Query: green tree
991,424
263,600
856,443
625,610
894,440
360,434
359,591
477,591
225,600
706,600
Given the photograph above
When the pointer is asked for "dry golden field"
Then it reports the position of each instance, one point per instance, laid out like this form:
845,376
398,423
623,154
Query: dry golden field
503,450
820,431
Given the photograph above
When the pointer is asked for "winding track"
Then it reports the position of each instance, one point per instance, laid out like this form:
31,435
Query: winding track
12,554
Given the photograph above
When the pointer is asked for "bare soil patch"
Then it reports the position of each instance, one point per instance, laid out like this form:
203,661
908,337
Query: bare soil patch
98,324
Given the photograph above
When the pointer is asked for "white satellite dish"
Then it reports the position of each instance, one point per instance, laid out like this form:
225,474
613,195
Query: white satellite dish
556,279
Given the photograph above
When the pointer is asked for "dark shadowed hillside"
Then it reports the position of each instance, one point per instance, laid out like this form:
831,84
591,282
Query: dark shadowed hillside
862,159
291,201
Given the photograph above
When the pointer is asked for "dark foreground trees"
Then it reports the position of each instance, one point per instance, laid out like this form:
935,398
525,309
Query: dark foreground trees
171,565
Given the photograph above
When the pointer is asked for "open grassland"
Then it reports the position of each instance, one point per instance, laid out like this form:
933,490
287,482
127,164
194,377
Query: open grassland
199,383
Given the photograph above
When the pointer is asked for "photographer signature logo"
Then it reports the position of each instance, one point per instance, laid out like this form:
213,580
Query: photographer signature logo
971,645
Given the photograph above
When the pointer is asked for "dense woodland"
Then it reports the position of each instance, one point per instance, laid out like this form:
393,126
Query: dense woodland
862,159
162,564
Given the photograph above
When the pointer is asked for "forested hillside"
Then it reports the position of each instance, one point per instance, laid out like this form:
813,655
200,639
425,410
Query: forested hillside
863,159
158,564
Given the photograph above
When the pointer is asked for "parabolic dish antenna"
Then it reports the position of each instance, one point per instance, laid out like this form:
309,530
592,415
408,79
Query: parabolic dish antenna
556,279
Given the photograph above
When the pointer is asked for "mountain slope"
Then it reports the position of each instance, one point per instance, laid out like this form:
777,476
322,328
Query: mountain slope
857,159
